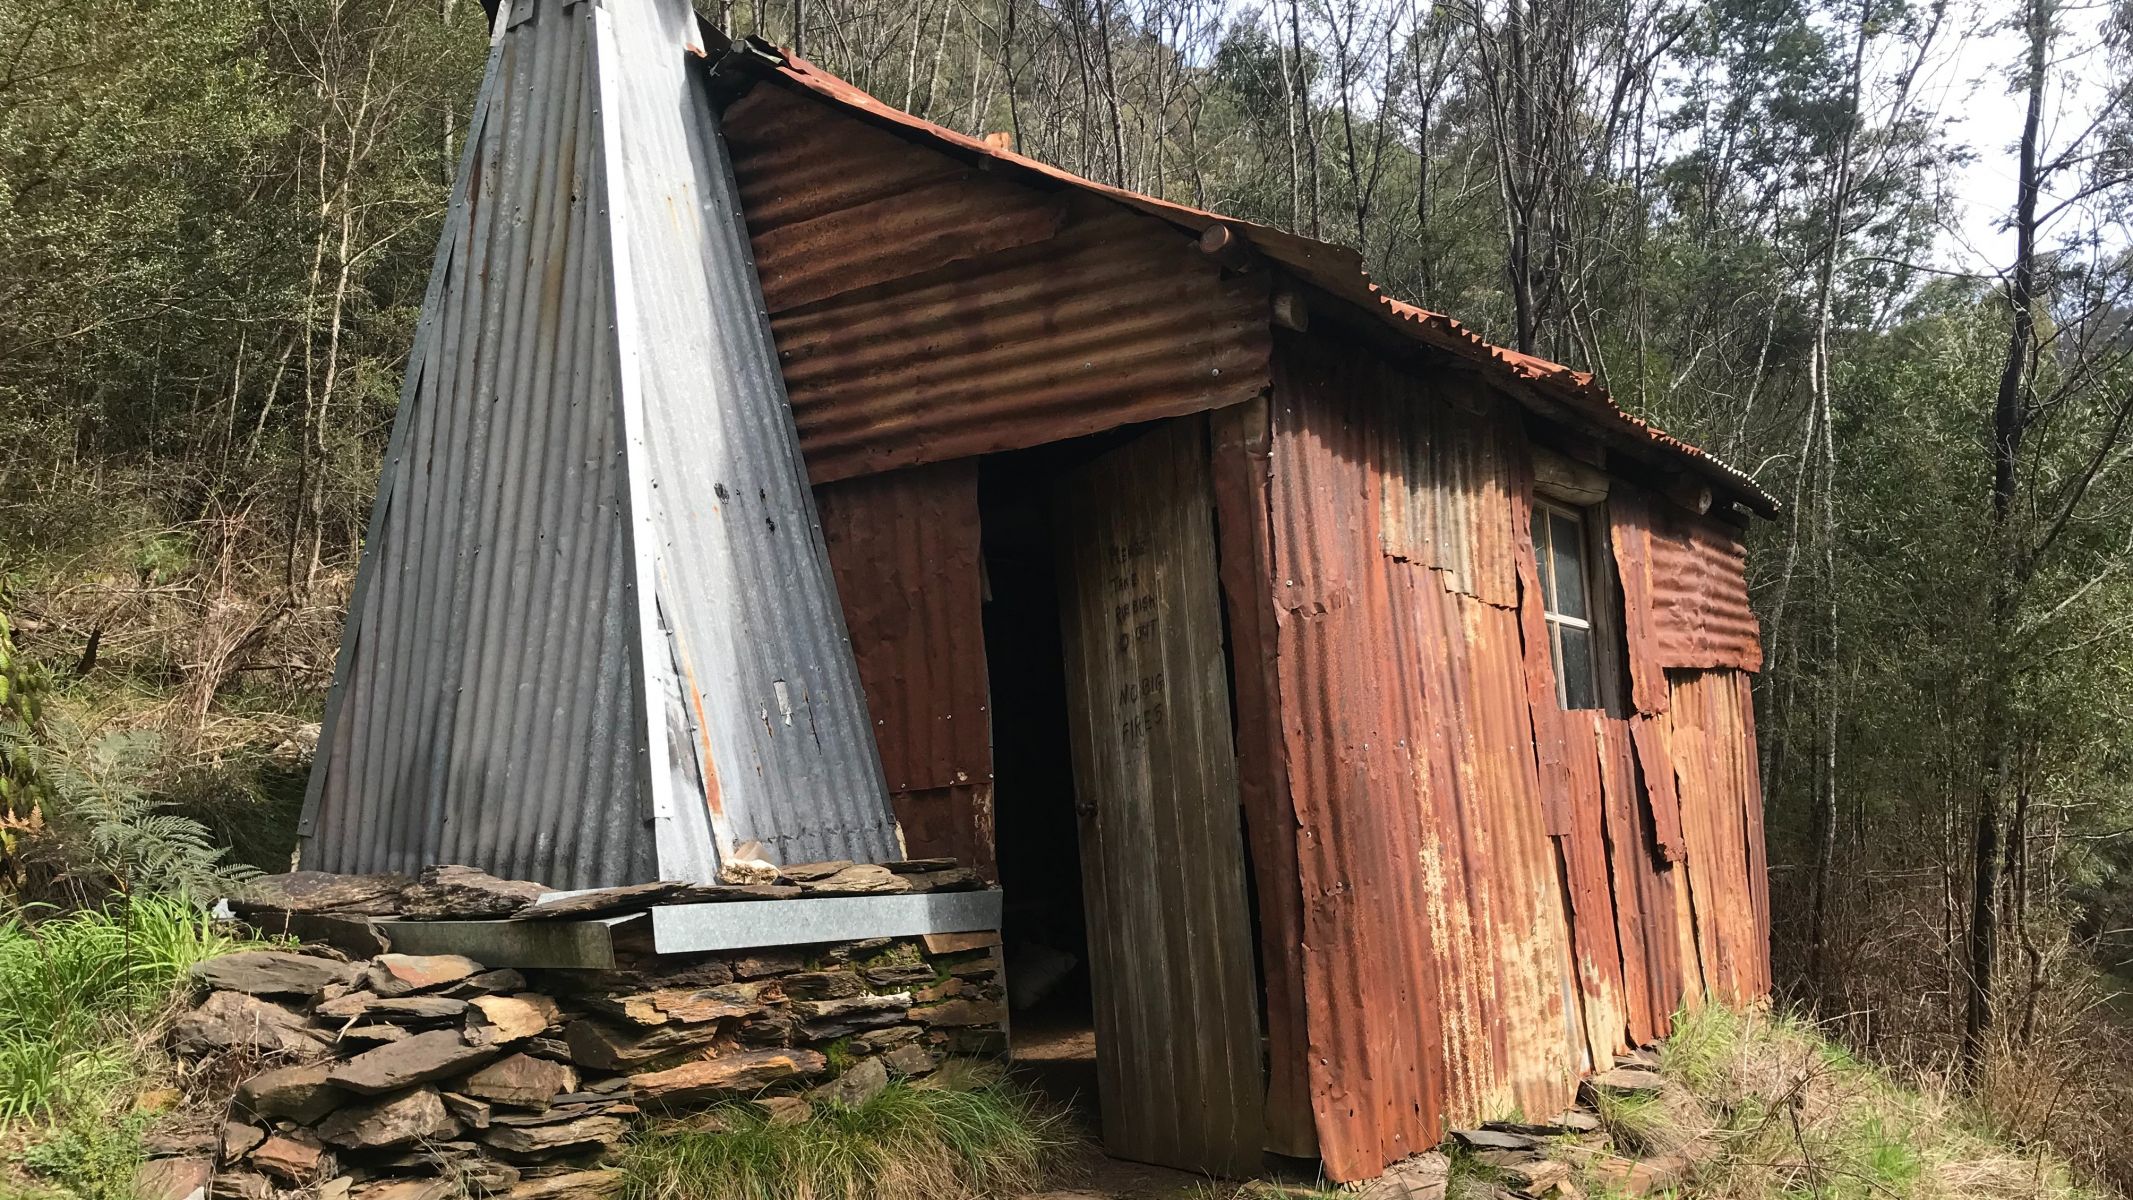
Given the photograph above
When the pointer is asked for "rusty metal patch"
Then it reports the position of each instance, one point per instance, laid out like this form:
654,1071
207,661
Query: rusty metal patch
1448,453
1590,887
1685,593
1240,454
924,310
1708,738
834,206
1629,536
1644,926
954,821
904,547
1662,795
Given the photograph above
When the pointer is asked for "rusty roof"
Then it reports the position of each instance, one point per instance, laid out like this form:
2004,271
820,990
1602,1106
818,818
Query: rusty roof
1550,387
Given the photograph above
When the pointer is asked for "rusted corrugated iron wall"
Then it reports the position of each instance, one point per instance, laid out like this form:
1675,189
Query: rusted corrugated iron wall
1494,893
1436,962
925,311
905,550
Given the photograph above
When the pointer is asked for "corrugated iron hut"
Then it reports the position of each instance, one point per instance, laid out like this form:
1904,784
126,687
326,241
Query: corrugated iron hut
1365,705
1390,687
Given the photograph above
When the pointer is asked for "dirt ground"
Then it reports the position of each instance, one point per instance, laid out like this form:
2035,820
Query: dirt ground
1057,1054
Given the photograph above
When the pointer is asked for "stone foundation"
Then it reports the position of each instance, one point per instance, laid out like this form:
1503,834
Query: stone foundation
416,1077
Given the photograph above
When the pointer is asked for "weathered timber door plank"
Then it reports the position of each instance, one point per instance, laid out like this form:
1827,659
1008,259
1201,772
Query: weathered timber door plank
1177,1024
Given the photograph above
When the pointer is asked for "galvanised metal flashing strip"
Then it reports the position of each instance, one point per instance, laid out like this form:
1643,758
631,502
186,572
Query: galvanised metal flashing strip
687,928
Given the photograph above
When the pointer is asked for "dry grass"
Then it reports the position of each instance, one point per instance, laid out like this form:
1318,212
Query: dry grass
1769,1109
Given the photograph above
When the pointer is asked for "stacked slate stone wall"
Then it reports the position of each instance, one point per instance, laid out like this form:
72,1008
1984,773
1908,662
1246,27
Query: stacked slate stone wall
418,1077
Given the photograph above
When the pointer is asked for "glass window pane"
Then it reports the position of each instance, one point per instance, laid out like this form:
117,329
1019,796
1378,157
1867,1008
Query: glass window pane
1540,559
1569,547
1580,688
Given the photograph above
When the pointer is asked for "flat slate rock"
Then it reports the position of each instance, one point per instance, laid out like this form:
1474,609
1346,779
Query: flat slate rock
408,1189
1494,1139
406,974
837,1018
420,1059
238,1137
497,1020
293,1157
321,892
522,1081
1572,1121
603,902
1627,1079
353,934
953,879
559,1138
686,1005
919,866
272,973
234,1021
861,879
726,1076
720,893
604,1047
810,872
173,1178
465,894
860,1083
418,1115
299,1094
488,983
369,1006
958,1013
374,1033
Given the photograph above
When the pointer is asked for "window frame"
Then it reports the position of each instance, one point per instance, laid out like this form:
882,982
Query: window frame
1545,514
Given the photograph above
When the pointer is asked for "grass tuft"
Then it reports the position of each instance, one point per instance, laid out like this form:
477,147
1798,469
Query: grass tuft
77,993
914,1141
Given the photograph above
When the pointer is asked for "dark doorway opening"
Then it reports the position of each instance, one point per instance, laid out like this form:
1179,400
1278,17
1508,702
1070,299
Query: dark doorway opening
1036,832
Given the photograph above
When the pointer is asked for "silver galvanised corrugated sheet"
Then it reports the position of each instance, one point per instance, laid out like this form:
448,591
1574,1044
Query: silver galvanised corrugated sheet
764,667
552,541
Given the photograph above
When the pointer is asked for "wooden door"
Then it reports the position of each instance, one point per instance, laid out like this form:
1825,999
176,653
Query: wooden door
1155,775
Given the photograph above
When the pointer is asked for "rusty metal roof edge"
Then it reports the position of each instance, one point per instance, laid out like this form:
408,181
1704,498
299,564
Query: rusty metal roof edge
1336,268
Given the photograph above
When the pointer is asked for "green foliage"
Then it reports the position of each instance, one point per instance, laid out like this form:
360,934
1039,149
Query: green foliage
90,1158
911,1142
76,991
838,1055
104,829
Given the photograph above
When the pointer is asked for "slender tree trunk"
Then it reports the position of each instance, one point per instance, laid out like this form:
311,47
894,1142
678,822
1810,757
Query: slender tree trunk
1822,416
1302,102
2010,421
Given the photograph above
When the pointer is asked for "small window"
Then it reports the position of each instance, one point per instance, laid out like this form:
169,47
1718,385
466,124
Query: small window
1566,598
